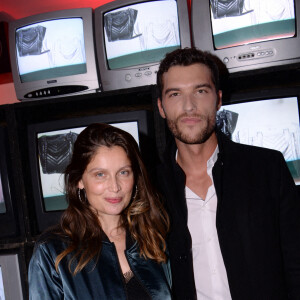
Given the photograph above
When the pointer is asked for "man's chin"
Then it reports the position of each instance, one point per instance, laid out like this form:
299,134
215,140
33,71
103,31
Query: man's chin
193,138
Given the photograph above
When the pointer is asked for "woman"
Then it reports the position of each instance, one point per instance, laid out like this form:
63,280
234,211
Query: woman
110,241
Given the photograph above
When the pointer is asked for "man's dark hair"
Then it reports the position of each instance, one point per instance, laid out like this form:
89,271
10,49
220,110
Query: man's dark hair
186,57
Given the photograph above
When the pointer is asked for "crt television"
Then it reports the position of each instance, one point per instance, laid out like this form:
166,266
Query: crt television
8,207
268,119
52,54
248,34
12,275
133,36
48,160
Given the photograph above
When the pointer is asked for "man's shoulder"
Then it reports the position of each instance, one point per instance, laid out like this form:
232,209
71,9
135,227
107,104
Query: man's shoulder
228,147
251,150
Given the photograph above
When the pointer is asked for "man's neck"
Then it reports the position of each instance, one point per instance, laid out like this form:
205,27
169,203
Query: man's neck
193,161
195,156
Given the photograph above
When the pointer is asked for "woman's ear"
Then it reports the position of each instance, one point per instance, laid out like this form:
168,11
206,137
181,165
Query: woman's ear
80,184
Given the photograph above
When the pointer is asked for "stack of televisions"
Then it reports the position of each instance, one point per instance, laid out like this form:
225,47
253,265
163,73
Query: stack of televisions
119,46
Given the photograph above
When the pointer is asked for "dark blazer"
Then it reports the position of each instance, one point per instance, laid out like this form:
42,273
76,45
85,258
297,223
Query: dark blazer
258,223
100,279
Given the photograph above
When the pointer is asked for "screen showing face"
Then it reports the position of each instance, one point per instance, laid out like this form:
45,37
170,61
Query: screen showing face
2,296
51,49
2,203
51,170
272,123
141,33
243,22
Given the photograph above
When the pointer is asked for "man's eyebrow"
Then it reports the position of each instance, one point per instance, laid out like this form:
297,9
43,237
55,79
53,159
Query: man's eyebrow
203,85
207,85
171,90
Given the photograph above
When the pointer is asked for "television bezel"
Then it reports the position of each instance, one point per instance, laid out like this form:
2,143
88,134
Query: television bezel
90,78
44,218
286,50
8,220
14,285
115,79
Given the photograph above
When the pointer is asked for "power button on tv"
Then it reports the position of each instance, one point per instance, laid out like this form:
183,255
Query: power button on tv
127,77
226,60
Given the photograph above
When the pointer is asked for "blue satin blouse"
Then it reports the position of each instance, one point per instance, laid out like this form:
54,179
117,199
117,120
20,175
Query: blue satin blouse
98,280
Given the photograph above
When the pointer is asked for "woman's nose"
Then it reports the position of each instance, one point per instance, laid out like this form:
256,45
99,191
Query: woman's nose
114,185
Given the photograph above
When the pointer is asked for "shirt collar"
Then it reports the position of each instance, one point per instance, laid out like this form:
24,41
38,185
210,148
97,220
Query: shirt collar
211,161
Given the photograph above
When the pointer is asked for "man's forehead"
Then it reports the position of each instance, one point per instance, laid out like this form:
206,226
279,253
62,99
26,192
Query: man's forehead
187,75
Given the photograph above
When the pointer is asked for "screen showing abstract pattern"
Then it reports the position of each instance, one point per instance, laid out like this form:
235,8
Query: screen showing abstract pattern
51,49
2,203
271,123
141,33
240,22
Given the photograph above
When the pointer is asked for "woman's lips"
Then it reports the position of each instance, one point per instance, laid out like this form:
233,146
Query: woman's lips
113,200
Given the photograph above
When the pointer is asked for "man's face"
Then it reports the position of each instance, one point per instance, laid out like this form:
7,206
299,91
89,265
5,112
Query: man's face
189,103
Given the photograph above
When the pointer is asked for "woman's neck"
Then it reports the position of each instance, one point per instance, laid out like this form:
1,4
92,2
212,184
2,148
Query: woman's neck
111,225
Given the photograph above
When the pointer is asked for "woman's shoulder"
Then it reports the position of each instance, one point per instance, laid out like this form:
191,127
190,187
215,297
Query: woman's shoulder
53,239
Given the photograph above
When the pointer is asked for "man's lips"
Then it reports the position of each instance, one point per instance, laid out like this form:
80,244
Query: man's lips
190,120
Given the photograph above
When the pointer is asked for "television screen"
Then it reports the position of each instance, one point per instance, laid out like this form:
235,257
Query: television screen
50,150
2,203
51,49
9,209
52,166
52,54
270,123
133,36
10,277
152,30
2,296
255,21
248,34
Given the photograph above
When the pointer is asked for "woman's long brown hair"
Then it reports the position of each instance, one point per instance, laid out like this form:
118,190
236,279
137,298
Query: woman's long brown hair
145,217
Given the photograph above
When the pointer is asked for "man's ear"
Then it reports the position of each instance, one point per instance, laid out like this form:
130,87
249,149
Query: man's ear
219,103
160,108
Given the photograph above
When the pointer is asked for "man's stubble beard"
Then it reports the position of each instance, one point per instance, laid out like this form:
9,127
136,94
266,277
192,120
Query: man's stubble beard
203,135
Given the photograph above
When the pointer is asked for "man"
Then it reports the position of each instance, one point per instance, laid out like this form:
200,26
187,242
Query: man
235,229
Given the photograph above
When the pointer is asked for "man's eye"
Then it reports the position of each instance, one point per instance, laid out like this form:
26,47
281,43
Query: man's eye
201,91
100,174
174,95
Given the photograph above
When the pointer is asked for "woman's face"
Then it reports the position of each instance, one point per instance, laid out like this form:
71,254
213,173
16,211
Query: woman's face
108,181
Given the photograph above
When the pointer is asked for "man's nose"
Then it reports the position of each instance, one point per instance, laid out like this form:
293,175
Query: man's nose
189,103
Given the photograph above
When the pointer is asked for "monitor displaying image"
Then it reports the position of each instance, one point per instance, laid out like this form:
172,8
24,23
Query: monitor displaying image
141,33
51,49
2,296
55,152
236,23
271,123
11,282
2,203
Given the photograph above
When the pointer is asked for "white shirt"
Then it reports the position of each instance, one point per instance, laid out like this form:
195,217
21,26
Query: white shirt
209,269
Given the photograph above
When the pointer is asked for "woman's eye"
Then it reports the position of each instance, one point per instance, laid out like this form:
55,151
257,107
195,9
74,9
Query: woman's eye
125,172
100,174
